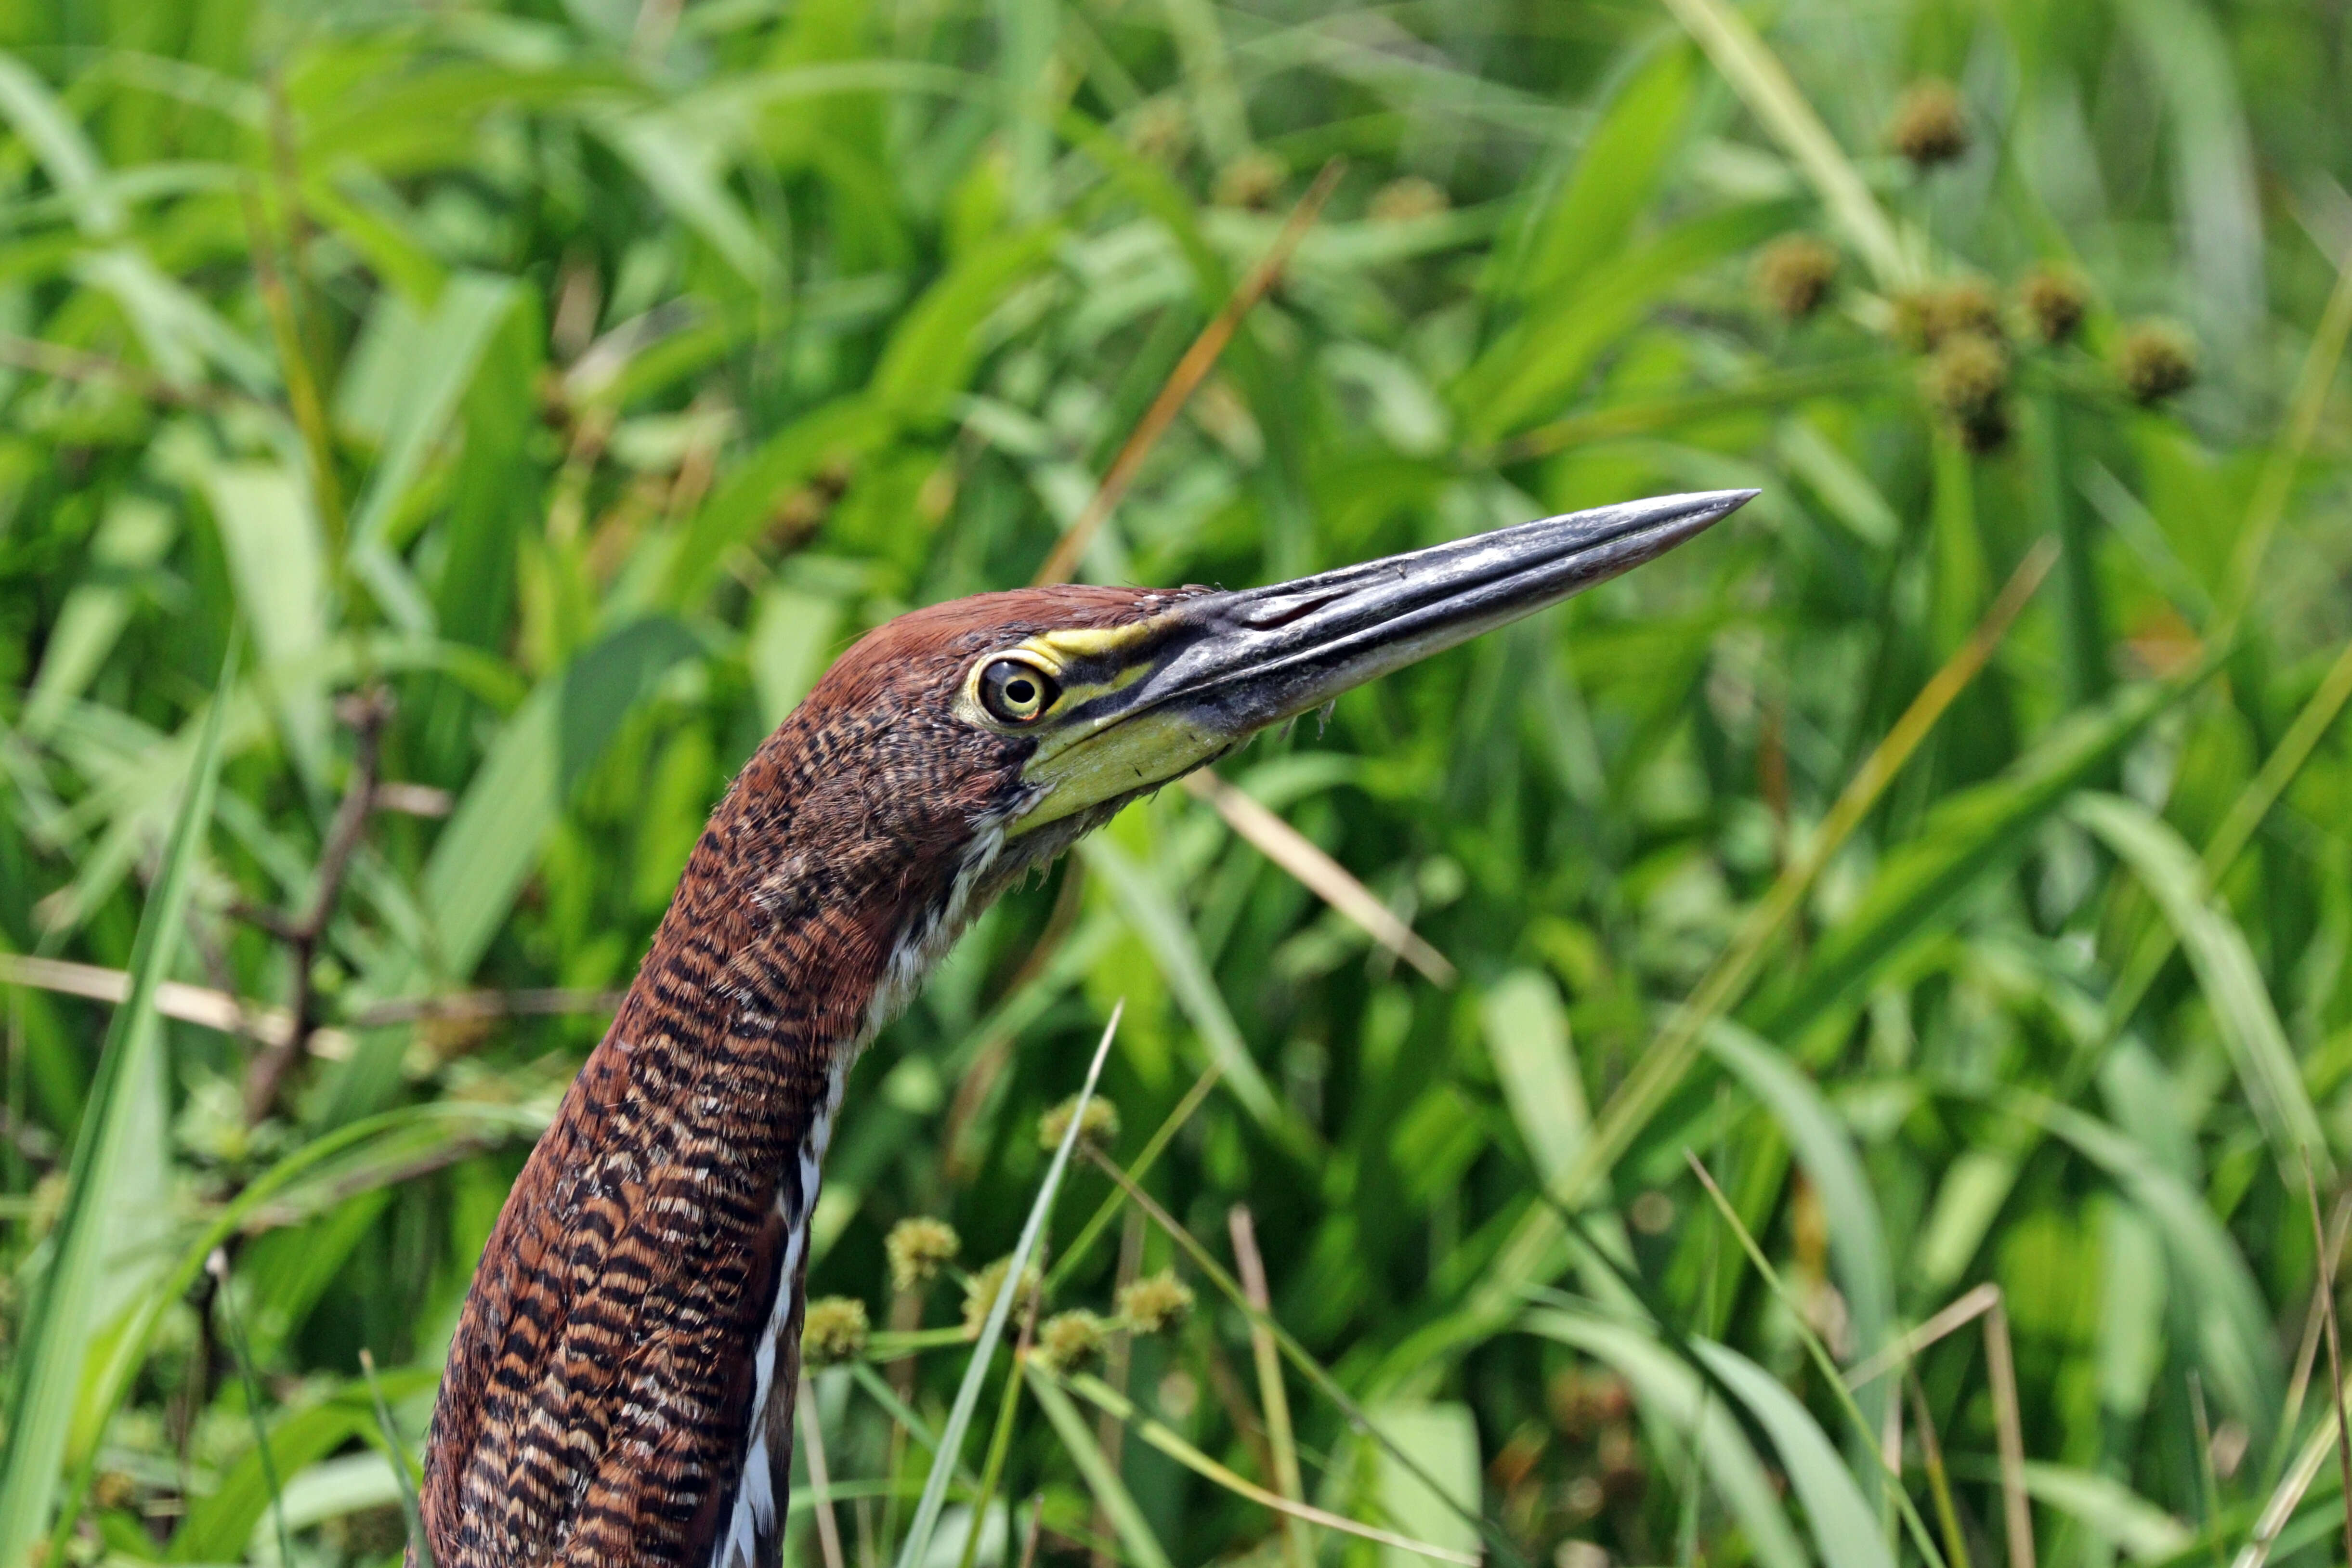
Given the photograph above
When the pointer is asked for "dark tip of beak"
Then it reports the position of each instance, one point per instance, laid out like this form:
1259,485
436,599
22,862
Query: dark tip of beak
1268,654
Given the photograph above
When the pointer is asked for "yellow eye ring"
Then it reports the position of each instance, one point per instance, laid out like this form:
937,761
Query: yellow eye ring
1015,692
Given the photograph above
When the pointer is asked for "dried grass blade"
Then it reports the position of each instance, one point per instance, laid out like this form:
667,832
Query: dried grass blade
1271,1397
1185,380
1939,1482
2335,1347
1319,873
828,1529
199,1004
1965,1309
2008,1435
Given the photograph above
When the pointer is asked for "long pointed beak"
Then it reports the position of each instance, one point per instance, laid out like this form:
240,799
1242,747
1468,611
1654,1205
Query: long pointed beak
1224,666
1265,655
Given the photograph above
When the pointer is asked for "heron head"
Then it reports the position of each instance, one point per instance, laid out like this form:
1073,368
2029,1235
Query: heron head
1029,717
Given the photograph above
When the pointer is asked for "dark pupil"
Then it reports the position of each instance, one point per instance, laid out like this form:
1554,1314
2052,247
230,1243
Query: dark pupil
1014,692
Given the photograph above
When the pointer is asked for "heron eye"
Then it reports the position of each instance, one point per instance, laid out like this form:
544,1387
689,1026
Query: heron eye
1015,692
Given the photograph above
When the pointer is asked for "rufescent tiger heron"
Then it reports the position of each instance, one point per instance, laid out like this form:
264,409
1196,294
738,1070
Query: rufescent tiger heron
620,1388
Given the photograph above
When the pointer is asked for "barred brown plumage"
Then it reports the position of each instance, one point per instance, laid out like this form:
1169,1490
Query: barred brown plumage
620,1387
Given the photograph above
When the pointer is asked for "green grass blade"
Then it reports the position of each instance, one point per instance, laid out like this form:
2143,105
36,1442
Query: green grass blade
1117,1501
396,1453
1763,83
1843,1524
57,1328
1669,1388
2234,1346
2226,970
1167,936
1123,1409
1858,1247
491,841
916,1549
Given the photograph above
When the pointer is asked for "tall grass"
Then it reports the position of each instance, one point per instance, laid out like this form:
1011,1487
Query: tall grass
1945,859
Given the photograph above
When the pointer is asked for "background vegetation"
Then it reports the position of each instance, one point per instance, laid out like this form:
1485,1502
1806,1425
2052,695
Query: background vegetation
549,390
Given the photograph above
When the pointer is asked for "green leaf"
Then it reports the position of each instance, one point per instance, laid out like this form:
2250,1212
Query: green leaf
219,1527
493,838
1442,1442
66,154
792,640
1159,922
935,347
2237,1349
430,370
132,538
277,559
2226,971
1969,837
1754,72
840,431
685,165
1858,1249
1844,1526
1673,1395
53,1342
1618,175
1535,366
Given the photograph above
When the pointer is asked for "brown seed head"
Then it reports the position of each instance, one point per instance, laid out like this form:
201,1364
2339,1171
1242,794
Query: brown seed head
834,1330
2155,360
1252,180
918,1249
1160,129
1098,1129
1930,125
1967,376
1582,1402
1155,1302
1403,200
1793,274
1924,318
2054,301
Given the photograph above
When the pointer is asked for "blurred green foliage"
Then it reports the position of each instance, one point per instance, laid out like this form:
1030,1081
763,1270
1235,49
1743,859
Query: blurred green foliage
549,391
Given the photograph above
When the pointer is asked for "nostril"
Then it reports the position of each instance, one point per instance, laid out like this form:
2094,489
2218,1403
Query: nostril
1284,612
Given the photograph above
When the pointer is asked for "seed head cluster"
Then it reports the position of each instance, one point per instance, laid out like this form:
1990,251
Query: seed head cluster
980,1290
1924,318
1068,1341
2155,360
1930,125
917,1248
1156,1302
1403,200
1252,180
1098,1128
1793,274
2055,302
834,1330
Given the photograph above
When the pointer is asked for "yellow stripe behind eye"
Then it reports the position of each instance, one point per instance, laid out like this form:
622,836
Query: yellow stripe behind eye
1084,642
